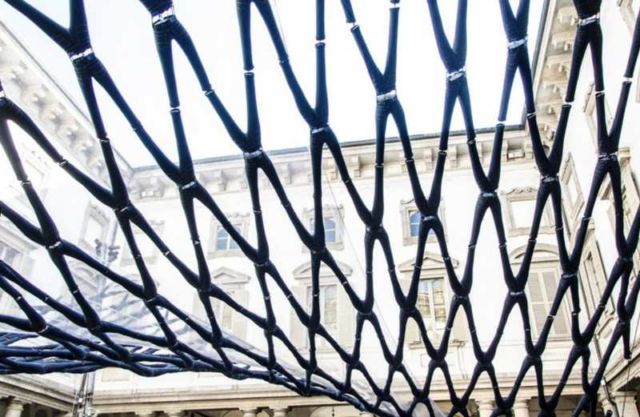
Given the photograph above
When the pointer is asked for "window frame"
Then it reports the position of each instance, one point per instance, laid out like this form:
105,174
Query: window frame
127,258
240,222
93,212
545,258
519,194
407,208
334,212
571,208
345,323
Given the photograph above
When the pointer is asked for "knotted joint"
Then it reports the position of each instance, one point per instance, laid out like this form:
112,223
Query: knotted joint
516,293
389,95
81,55
25,182
569,275
152,299
354,25
517,43
43,330
531,115
500,122
321,42
489,194
547,179
454,75
254,154
163,16
589,20
187,186
604,156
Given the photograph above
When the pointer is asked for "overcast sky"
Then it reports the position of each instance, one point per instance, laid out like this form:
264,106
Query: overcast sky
122,37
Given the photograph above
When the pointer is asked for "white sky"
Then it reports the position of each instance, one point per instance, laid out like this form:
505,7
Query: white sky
122,37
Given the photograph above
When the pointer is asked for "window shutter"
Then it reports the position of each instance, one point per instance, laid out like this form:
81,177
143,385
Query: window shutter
561,324
536,301
298,332
412,332
346,318
459,331
238,321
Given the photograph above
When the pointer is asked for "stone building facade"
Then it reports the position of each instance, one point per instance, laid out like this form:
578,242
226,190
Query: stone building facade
119,393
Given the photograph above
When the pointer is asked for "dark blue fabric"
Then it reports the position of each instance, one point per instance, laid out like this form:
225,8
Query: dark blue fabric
164,352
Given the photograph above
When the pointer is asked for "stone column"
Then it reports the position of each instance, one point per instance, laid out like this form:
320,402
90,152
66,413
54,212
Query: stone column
521,408
249,412
14,409
485,407
143,413
280,412
626,402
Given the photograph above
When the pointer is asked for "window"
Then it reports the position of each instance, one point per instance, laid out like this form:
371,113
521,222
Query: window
337,314
147,248
220,242
224,240
94,228
572,197
521,206
332,220
411,220
630,199
328,307
414,223
431,302
542,285
330,229
9,255
234,283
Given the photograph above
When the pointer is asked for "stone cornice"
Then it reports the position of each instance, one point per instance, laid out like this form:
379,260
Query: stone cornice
31,87
224,175
554,62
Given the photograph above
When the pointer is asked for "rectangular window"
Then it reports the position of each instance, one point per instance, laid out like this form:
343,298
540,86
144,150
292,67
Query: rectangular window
431,302
328,306
330,228
224,240
415,218
8,254
542,286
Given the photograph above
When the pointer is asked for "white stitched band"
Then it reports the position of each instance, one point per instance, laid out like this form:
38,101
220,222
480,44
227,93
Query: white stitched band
81,55
318,130
187,186
162,16
452,76
394,6
251,155
321,42
589,20
517,43
390,95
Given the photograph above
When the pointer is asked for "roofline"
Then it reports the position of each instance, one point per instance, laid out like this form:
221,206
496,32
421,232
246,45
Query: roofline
343,145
